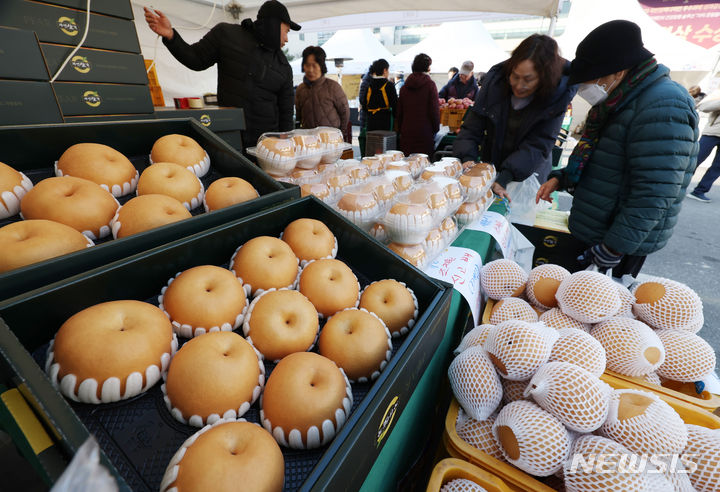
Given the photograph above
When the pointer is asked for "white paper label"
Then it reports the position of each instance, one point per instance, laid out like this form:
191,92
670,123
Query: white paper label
460,267
498,227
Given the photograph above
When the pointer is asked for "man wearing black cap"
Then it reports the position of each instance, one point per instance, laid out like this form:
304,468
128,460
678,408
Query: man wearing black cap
637,154
253,72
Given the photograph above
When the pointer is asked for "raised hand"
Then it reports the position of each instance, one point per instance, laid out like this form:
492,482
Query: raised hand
158,23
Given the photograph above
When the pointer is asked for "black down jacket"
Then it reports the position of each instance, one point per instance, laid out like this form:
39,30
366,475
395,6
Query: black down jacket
251,75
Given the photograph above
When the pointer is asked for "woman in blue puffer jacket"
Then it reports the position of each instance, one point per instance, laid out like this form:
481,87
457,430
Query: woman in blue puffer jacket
637,154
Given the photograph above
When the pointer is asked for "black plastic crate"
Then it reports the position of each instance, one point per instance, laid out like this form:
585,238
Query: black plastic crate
139,436
34,149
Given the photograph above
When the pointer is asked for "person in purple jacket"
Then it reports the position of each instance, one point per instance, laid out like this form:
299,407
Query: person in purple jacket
418,109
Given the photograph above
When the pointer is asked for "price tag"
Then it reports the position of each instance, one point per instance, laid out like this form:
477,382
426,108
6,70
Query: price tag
499,228
460,267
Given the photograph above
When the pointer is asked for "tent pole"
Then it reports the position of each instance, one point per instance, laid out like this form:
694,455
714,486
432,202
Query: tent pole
551,29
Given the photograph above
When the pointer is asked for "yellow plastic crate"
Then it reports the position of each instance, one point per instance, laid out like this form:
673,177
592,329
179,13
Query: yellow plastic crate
452,118
452,468
517,479
679,391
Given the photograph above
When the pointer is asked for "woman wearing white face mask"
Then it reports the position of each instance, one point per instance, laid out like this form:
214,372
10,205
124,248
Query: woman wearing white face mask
637,154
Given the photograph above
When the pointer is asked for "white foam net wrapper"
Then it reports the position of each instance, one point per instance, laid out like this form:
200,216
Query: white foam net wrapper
545,292
666,304
651,378
531,438
462,485
579,348
688,358
632,348
475,383
703,449
474,337
582,474
627,301
589,297
514,390
559,320
512,308
478,434
643,423
577,398
518,348
503,278
678,477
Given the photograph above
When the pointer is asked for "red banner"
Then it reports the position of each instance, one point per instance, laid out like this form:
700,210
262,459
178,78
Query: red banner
697,21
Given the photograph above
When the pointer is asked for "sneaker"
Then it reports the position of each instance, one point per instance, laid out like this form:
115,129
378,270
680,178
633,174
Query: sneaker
698,196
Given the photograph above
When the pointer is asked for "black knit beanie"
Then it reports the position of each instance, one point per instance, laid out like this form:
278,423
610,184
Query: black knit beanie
609,48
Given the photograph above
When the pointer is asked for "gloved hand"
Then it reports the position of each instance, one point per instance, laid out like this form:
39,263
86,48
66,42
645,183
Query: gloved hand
601,256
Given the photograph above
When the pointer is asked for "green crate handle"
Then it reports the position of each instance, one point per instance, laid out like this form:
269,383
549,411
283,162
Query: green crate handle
29,435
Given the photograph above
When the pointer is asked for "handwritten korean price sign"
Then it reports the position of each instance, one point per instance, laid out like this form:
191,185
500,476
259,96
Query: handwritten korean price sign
498,227
460,267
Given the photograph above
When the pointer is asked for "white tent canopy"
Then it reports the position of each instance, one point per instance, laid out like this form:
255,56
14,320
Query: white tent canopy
304,10
178,81
452,43
359,44
670,50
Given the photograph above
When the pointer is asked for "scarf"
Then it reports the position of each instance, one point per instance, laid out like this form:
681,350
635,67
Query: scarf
598,117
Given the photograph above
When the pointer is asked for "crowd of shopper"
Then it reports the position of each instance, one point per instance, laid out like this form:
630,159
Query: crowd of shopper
628,173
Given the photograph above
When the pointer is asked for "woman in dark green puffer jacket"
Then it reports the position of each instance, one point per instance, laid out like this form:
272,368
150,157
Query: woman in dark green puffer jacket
630,169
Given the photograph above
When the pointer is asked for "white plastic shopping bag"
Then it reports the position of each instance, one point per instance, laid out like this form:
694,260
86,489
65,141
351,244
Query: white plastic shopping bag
523,207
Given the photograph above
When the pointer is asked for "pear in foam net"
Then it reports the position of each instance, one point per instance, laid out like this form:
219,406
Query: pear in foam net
543,283
518,348
643,423
503,278
589,297
475,383
632,348
667,304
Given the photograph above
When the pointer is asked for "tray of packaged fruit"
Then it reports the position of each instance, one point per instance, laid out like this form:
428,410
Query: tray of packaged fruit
279,153
139,436
43,153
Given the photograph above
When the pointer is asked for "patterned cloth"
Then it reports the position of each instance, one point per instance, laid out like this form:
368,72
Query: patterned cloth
599,115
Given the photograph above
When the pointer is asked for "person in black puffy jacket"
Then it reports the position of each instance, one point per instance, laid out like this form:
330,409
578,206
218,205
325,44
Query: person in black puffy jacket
253,72
517,113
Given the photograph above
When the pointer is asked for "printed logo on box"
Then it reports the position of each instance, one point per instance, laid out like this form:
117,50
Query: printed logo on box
68,26
92,98
205,120
387,420
550,241
80,63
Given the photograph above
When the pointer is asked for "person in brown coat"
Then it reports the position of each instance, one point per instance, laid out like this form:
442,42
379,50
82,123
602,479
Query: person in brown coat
320,101
418,109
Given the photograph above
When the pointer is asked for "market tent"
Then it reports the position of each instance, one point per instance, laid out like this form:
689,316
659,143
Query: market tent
671,50
304,10
177,80
359,44
452,43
